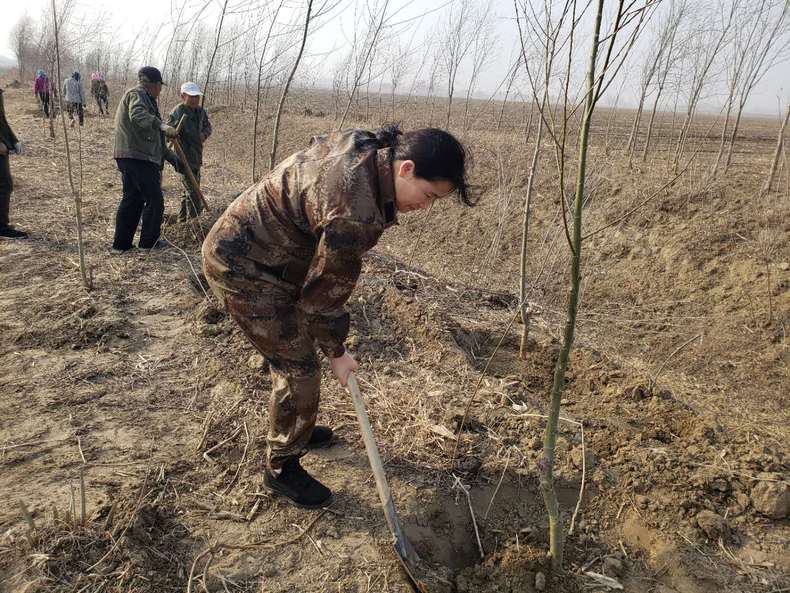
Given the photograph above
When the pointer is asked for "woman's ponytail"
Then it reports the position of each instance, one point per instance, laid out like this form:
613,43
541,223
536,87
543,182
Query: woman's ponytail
387,135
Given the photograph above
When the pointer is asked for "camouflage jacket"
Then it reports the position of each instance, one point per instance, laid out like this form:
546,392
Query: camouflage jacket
195,131
137,133
308,222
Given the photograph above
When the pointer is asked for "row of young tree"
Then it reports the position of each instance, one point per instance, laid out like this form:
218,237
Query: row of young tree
383,65
566,56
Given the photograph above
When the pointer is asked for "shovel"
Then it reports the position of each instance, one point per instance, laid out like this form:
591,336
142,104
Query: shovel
403,549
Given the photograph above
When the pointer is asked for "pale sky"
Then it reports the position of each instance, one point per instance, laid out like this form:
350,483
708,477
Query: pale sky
127,17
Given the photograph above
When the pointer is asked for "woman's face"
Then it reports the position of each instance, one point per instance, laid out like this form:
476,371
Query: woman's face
414,193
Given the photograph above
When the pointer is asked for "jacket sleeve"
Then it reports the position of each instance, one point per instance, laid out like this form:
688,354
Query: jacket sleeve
172,119
140,116
331,278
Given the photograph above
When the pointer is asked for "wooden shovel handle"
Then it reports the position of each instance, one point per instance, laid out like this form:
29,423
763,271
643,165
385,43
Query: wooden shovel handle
405,550
187,171
181,123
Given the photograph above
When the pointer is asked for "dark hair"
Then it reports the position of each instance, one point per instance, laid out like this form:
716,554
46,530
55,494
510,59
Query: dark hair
437,155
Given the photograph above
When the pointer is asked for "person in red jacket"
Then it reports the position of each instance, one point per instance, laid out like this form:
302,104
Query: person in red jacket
41,89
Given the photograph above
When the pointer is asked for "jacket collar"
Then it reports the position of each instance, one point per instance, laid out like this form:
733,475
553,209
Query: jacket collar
386,201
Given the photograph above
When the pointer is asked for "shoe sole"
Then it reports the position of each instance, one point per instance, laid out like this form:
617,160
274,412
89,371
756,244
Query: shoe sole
292,502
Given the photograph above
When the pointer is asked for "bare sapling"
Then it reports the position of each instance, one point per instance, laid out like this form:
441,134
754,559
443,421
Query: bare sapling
482,54
362,54
702,52
278,113
214,52
512,78
549,46
770,47
769,181
258,89
458,39
601,72
668,63
663,41
87,278
20,41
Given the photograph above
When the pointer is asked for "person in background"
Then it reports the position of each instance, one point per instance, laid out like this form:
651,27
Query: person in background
8,143
41,89
194,133
74,97
139,149
100,92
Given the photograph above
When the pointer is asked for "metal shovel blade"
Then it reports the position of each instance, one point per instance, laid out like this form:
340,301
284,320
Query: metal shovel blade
403,549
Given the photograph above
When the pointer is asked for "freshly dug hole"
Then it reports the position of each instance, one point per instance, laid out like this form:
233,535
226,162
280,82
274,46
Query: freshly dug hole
443,533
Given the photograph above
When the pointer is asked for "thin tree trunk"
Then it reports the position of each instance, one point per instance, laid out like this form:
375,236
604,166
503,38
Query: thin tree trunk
528,125
715,169
649,135
276,131
777,153
213,54
522,293
631,146
77,198
507,94
733,135
550,437
358,75
258,93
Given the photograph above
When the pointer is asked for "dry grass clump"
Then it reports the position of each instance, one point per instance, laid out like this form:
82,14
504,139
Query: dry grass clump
136,544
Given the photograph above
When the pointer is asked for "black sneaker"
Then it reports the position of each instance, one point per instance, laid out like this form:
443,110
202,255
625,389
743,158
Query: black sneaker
321,437
160,244
300,488
11,233
118,250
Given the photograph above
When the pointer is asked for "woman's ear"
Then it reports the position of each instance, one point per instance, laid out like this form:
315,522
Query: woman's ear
406,168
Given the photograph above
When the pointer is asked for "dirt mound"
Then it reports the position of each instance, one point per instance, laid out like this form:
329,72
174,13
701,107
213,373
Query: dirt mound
80,326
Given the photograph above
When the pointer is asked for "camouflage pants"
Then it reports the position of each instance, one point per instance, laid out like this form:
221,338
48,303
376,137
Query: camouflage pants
272,322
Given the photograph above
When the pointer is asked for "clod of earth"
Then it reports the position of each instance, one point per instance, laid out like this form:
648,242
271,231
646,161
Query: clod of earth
771,498
712,524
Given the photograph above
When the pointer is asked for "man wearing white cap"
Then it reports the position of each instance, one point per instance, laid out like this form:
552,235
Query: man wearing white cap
194,133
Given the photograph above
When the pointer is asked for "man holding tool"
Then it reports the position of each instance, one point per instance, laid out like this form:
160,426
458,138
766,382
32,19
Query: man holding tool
139,150
195,130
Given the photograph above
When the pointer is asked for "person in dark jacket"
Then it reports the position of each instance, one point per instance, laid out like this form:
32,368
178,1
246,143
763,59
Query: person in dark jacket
286,254
140,151
8,143
194,133
100,92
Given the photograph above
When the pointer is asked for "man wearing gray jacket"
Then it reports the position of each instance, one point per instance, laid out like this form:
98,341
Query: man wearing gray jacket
139,149
74,97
